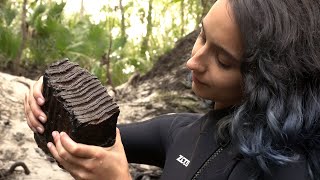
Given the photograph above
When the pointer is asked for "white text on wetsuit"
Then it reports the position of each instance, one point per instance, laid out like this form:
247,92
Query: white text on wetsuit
184,161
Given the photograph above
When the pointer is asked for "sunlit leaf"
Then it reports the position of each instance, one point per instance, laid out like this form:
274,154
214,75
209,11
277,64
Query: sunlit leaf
9,15
37,13
56,10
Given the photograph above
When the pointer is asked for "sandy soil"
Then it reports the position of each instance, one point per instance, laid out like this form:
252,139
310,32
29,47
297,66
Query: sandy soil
16,139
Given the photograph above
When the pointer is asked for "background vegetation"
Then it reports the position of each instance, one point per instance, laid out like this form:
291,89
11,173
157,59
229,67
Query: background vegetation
35,33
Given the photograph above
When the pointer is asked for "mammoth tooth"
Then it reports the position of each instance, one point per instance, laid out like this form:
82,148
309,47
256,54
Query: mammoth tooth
77,103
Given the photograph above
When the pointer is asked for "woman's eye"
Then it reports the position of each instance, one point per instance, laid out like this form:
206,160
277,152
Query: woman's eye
223,65
222,62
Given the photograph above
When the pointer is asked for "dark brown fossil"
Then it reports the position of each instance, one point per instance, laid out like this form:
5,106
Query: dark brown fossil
78,104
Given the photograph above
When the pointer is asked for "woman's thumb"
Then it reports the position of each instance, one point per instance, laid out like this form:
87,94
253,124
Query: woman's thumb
118,143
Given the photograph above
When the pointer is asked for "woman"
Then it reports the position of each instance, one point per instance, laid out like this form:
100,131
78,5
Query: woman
259,61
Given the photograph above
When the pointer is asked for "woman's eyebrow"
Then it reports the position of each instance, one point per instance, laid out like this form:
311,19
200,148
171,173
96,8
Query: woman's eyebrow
221,48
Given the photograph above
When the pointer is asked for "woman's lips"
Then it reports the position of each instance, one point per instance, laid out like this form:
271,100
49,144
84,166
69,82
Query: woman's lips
195,80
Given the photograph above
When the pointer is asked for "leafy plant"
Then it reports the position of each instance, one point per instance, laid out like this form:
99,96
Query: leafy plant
9,45
112,46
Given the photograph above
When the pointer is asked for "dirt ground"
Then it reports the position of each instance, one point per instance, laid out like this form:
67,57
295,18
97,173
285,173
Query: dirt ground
16,139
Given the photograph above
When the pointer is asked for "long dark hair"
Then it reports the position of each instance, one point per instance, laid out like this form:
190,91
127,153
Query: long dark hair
278,122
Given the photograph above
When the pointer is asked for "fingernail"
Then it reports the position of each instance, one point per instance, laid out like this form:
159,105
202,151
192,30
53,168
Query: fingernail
54,133
40,130
40,101
42,119
49,144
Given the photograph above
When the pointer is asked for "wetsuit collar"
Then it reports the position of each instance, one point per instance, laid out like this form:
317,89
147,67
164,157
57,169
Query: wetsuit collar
204,148
213,117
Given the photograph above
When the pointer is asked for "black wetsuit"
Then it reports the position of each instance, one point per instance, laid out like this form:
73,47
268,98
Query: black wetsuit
184,145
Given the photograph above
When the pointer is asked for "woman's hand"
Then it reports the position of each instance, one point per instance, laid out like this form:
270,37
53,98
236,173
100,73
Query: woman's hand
82,161
90,162
32,102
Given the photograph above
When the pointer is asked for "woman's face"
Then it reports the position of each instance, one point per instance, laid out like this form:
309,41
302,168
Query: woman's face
215,60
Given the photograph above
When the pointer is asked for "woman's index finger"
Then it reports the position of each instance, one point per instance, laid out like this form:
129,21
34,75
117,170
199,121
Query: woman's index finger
77,149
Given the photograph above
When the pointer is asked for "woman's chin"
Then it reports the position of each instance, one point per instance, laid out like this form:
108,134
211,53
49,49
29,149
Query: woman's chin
198,92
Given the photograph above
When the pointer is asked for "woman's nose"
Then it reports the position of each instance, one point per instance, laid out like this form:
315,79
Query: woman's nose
196,62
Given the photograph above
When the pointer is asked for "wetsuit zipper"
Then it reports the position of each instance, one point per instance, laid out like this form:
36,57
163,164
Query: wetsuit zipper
207,162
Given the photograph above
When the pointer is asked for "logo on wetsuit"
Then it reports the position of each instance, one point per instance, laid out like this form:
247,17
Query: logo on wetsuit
184,161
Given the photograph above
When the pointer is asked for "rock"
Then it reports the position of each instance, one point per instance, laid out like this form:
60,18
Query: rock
78,104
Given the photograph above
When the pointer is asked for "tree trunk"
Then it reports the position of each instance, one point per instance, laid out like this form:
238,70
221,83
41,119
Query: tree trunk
81,9
182,17
123,35
123,26
198,16
24,33
105,59
145,41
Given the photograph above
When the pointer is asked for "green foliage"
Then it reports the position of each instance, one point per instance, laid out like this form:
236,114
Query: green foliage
9,15
9,40
96,41
38,10
52,35
56,10
9,45
176,1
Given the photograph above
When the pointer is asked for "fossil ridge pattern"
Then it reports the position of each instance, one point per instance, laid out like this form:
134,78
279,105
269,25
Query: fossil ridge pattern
78,104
